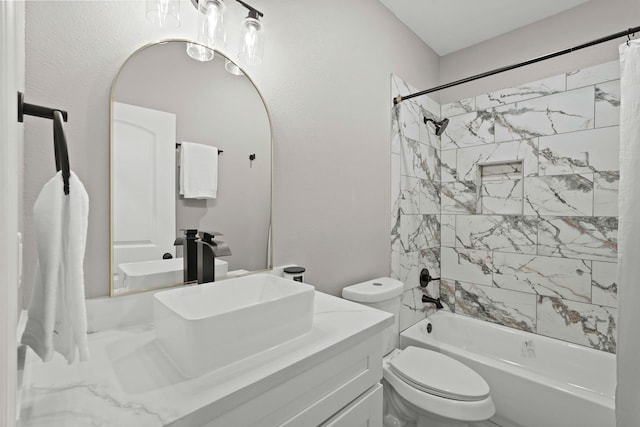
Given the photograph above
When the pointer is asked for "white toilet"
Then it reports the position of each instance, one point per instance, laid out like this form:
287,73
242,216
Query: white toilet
422,388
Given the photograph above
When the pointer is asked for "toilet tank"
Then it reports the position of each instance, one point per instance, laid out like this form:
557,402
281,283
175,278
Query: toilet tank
383,293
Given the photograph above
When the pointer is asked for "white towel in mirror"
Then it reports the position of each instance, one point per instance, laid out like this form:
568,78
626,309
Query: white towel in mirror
198,171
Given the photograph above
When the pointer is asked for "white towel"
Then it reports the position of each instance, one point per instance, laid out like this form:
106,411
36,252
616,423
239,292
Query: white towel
198,171
57,314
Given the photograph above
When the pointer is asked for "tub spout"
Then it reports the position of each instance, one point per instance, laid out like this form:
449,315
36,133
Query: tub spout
436,301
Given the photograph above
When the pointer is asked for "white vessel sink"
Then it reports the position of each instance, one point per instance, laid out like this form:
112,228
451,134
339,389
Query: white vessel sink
205,327
137,276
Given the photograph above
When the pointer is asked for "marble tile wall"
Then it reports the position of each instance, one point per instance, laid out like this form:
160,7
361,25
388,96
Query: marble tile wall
534,248
415,199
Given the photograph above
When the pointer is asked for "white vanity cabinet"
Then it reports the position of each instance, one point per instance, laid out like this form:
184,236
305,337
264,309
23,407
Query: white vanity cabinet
328,377
331,393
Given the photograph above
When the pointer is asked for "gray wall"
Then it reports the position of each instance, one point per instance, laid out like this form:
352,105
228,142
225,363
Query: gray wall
325,80
589,21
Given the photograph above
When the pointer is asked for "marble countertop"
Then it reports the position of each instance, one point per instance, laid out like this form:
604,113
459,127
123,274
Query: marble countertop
129,381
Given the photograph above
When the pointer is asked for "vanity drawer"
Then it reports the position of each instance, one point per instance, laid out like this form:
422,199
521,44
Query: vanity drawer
314,395
365,411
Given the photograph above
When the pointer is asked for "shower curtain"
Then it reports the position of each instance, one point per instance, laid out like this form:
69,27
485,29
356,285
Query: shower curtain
628,346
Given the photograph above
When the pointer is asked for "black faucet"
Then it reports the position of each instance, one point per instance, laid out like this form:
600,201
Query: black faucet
189,254
208,250
436,301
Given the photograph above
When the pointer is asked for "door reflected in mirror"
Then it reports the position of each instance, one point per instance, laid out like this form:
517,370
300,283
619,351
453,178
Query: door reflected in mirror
191,148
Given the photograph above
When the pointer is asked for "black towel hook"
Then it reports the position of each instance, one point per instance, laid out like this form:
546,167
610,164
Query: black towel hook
59,140
61,150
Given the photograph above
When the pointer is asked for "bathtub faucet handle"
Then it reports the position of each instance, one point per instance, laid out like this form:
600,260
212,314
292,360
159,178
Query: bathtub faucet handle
425,278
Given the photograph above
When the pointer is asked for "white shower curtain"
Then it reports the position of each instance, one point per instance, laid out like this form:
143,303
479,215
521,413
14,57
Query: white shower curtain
628,348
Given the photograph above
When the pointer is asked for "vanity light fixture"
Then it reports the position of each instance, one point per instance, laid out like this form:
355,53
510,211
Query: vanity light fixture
211,33
163,13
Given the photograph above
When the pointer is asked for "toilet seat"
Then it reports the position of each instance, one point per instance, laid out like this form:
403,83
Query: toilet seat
477,410
438,374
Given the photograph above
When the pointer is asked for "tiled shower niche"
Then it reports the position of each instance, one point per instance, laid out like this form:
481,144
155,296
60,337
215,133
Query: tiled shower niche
534,247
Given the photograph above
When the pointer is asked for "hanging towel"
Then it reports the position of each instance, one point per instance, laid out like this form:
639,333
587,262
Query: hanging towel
57,314
198,171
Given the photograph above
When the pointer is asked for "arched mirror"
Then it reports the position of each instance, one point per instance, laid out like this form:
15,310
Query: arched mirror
162,101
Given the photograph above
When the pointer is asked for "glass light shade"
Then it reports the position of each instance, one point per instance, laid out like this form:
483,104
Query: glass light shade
251,41
199,52
211,23
163,13
232,68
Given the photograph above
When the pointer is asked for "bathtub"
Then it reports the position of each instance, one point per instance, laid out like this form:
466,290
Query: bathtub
535,381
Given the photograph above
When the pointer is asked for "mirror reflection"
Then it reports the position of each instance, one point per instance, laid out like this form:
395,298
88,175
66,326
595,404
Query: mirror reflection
190,156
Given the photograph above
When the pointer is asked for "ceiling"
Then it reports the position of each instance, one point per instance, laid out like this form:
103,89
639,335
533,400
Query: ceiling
450,25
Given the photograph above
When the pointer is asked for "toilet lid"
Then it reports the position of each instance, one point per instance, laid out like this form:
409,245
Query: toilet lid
438,374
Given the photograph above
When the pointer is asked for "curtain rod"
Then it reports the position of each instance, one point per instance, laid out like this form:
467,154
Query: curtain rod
628,33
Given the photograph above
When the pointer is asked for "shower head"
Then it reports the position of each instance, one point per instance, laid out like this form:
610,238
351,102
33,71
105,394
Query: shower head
440,126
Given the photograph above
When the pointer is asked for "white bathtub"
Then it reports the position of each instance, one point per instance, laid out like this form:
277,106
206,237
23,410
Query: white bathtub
535,381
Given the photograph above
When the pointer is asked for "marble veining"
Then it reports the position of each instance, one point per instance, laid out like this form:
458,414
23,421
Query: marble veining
419,232
470,129
419,160
549,115
536,89
458,197
514,309
559,195
604,287
593,75
448,230
409,119
605,193
396,254
448,294
467,265
449,165
396,184
608,104
558,277
410,189
429,197
584,324
593,150
396,136
502,195
497,232
456,108
412,309
593,238
468,159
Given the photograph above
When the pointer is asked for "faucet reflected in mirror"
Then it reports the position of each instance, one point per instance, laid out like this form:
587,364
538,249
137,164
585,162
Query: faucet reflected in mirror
189,250
147,211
